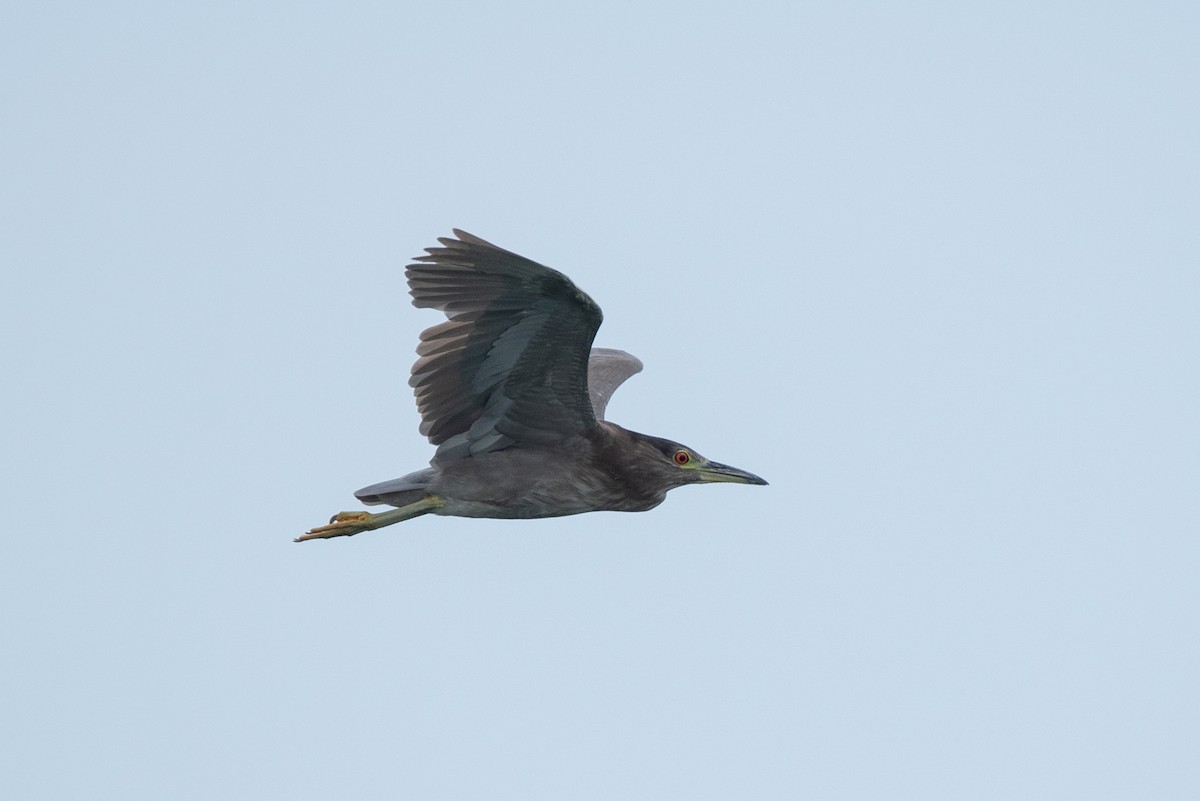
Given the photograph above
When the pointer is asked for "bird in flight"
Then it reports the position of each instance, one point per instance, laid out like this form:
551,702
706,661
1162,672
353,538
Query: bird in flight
513,395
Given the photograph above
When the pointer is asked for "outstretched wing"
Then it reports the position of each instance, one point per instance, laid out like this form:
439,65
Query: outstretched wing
607,370
510,365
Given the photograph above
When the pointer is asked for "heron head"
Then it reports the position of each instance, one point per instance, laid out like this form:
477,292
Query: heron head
692,468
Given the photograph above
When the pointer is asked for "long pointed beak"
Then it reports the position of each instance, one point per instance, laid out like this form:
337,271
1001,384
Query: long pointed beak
715,471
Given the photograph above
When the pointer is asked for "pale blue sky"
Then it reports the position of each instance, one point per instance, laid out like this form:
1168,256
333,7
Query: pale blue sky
932,269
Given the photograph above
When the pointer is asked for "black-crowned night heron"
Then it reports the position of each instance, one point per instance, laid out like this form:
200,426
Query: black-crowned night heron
513,394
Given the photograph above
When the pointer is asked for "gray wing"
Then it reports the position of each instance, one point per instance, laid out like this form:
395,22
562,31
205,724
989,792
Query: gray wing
510,365
607,370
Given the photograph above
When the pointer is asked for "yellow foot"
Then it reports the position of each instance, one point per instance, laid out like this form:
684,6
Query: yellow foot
347,524
343,524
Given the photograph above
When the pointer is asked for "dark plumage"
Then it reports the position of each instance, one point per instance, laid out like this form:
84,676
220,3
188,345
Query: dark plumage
513,394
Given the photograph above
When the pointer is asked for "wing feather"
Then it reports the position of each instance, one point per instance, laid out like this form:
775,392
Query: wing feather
510,365
607,370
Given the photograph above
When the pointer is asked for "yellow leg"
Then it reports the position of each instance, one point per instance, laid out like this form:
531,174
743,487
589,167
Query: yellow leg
347,524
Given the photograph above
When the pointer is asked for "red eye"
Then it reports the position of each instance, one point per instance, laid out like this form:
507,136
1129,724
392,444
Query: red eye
682,457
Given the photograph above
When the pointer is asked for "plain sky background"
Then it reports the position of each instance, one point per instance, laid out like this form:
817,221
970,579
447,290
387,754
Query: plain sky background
932,269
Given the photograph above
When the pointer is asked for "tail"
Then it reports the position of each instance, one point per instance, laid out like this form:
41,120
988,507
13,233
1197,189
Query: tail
399,491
